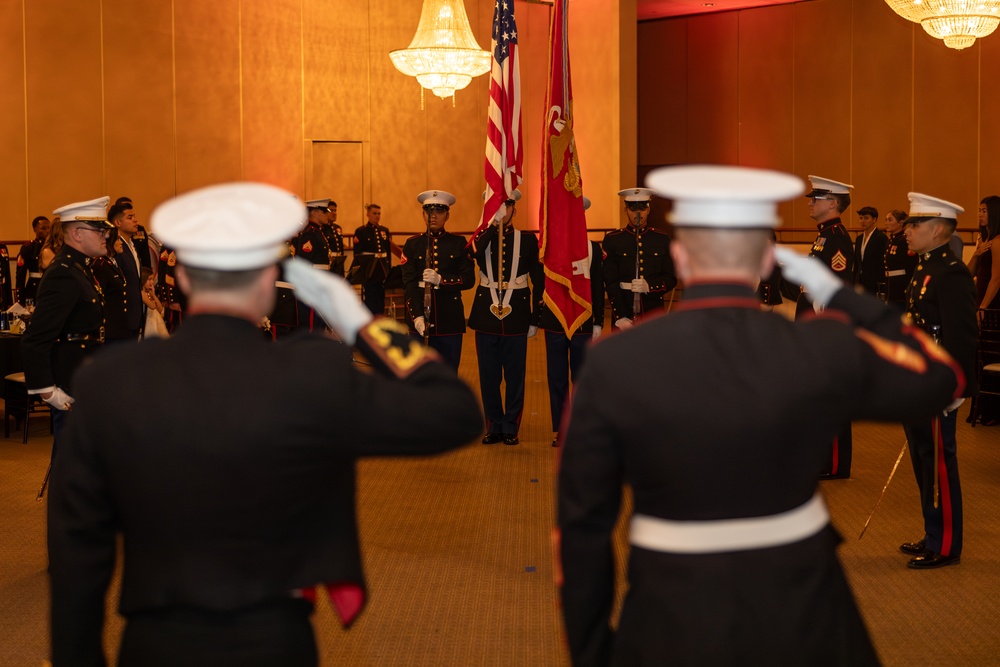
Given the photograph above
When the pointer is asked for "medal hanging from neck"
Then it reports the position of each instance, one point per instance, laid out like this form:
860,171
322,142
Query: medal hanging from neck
501,308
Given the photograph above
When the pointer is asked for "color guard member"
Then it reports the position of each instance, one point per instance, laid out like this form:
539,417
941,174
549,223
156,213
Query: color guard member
434,278
503,319
827,200
235,515
637,264
941,300
733,558
563,355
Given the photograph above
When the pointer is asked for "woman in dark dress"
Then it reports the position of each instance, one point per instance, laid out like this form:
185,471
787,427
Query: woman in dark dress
985,268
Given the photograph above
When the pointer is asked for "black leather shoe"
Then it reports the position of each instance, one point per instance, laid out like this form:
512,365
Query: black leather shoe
931,560
913,548
510,439
491,438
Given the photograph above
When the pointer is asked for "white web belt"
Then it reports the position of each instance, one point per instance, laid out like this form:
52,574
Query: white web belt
702,537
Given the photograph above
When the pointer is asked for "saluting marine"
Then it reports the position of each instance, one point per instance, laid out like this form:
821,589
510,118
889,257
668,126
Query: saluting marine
436,269
638,269
311,245
941,299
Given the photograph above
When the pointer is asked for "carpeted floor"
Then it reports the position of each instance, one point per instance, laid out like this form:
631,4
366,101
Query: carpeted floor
458,556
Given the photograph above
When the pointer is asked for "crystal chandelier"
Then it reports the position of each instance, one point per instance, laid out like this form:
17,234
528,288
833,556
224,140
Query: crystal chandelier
957,22
444,55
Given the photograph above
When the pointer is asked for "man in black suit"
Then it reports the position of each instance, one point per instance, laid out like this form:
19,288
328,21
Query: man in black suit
733,558
27,273
237,512
869,252
68,322
122,216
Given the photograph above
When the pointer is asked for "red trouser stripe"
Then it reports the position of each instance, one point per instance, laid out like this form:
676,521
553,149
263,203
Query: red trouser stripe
836,451
947,519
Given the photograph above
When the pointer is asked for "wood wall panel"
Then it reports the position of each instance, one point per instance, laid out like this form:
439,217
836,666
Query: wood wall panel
207,98
336,70
138,106
989,128
945,118
713,85
398,156
766,97
881,108
662,95
272,93
822,125
65,126
14,214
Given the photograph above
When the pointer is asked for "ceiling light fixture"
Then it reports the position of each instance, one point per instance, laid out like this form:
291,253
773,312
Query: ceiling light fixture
958,22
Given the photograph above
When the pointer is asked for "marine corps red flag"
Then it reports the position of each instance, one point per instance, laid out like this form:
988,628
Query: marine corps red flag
563,228
504,160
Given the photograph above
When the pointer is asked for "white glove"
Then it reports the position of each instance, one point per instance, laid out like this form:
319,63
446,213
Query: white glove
431,276
624,323
640,285
532,330
953,406
597,332
500,215
59,399
819,282
420,324
330,295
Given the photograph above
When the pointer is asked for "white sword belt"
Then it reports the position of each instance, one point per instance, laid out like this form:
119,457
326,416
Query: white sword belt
377,255
283,284
336,254
422,284
521,282
893,274
34,275
626,286
322,267
703,537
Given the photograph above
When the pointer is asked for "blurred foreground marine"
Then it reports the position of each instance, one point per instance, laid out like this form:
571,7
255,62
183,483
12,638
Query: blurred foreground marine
234,516
733,558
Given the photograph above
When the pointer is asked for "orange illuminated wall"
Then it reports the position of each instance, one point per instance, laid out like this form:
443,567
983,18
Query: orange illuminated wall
839,88
152,98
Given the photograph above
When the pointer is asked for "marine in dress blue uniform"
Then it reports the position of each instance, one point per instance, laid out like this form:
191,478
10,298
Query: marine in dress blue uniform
637,261
215,574
564,355
27,274
503,319
899,261
941,300
833,246
68,322
335,238
436,264
311,245
372,259
733,558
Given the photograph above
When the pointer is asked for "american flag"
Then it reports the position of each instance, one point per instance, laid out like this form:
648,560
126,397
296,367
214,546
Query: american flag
504,154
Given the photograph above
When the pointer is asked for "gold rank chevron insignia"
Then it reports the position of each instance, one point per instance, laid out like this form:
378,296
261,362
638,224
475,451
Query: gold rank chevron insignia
393,347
